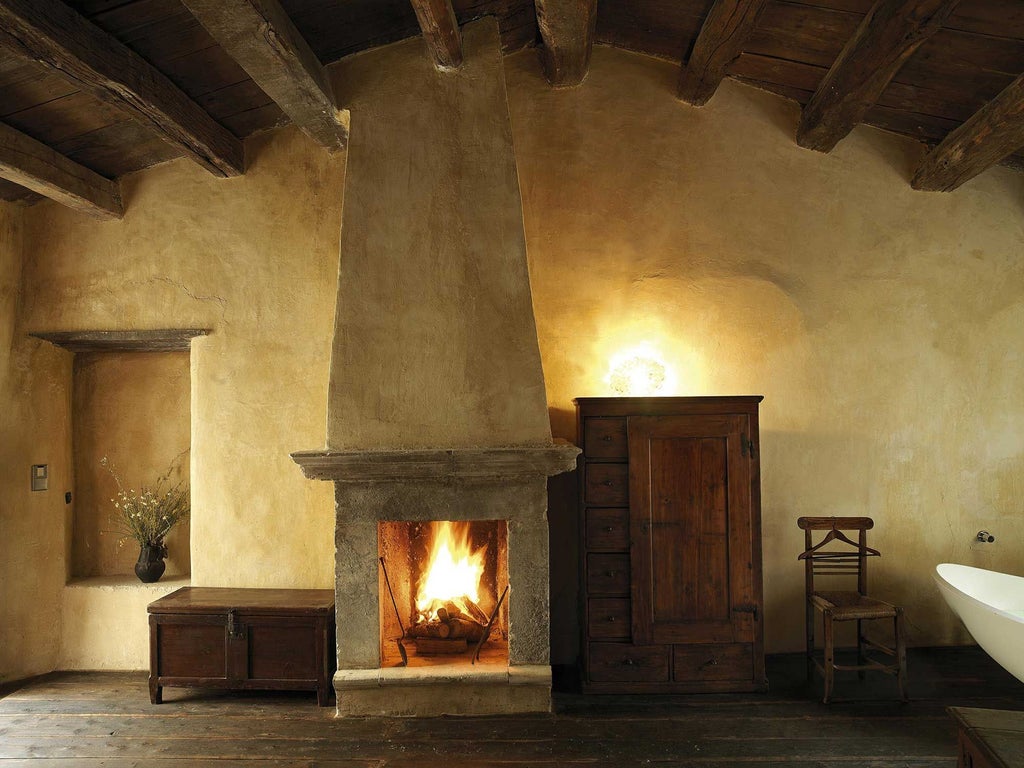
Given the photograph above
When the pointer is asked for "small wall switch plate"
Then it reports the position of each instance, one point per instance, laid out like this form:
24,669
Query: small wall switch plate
40,477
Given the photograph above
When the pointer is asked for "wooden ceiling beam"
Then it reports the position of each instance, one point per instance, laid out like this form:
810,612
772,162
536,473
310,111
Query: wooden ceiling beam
260,36
567,29
440,32
51,32
720,40
35,166
889,34
992,134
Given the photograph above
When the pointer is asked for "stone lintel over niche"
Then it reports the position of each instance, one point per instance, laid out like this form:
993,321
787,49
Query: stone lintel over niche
160,340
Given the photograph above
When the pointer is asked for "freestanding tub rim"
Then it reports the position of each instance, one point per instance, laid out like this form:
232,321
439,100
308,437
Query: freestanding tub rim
941,574
991,606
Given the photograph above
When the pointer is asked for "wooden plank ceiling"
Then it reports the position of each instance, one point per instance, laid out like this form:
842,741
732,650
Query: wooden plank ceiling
71,115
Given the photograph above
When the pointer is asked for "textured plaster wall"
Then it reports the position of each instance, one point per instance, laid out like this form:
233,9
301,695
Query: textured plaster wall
131,408
34,429
436,344
255,260
883,326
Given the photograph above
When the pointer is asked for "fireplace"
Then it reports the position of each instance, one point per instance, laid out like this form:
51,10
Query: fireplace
386,501
436,407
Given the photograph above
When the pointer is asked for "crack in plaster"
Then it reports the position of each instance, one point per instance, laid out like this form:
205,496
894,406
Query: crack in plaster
184,288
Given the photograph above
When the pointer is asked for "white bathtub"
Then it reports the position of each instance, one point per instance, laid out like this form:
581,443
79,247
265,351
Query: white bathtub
991,605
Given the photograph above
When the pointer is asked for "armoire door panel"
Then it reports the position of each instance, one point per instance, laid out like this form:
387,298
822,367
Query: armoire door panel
689,555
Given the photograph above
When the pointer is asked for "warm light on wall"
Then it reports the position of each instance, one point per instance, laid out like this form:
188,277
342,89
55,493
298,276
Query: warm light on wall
639,372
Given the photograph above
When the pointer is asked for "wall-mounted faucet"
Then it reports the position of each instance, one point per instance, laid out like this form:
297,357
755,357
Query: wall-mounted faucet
985,536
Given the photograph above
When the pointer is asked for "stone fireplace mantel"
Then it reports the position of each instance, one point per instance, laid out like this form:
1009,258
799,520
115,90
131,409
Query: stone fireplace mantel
390,466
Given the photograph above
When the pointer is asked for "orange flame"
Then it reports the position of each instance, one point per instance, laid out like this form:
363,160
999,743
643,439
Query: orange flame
453,572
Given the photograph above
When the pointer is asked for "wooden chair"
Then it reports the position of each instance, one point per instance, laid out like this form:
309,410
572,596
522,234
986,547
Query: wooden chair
836,555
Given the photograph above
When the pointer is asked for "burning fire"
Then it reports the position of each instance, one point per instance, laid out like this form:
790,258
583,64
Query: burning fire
453,573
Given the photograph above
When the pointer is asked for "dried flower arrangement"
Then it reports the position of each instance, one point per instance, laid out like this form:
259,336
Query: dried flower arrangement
150,513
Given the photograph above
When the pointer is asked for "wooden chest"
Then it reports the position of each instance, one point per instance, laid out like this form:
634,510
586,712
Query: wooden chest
989,738
244,639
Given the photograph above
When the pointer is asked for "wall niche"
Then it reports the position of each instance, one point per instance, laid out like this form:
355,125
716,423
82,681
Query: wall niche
131,405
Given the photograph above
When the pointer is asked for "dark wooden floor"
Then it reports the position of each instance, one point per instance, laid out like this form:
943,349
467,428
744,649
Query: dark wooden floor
105,719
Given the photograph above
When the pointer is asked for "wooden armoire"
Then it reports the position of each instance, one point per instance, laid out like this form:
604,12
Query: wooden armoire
670,525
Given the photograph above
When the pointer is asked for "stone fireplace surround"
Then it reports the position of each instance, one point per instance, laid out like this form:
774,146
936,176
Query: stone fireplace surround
460,485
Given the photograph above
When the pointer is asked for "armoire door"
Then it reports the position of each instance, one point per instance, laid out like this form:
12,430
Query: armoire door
691,548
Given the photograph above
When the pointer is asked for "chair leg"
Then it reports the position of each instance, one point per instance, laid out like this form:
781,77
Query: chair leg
830,660
860,649
810,641
901,653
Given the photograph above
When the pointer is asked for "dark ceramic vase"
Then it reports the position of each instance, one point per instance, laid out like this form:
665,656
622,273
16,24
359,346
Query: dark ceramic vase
150,565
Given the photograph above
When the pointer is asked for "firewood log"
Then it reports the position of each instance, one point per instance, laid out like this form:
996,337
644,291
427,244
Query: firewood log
466,628
437,629
475,611
454,610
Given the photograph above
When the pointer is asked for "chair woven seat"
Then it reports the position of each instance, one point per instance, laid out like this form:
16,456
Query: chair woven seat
846,606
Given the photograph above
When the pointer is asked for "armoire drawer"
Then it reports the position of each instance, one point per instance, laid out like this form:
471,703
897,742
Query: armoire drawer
621,662
724,661
608,618
607,574
607,529
605,438
607,485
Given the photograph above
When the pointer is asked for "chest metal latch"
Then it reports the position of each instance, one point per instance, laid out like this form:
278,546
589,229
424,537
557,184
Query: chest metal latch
236,629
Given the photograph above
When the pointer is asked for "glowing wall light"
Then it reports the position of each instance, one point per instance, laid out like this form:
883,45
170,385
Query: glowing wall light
639,372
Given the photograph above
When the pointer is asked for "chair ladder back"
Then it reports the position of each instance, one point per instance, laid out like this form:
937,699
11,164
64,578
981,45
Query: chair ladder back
850,562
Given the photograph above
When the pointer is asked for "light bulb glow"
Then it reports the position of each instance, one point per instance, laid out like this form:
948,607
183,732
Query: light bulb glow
639,372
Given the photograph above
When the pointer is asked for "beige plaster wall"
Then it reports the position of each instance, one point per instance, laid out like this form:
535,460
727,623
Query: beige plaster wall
104,623
882,325
436,344
34,429
133,409
254,259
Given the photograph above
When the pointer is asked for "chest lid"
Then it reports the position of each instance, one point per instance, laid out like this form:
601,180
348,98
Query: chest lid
254,602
